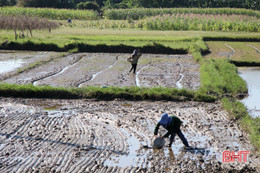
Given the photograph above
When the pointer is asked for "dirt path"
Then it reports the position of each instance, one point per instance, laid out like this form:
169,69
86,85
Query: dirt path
97,136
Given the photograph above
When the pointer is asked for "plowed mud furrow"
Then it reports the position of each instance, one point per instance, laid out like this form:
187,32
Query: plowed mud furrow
111,72
56,140
67,152
38,145
95,160
25,166
89,162
66,64
88,136
88,66
82,164
100,69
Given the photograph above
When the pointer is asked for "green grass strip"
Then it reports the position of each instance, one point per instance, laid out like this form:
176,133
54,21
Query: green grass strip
155,48
108,93
220,78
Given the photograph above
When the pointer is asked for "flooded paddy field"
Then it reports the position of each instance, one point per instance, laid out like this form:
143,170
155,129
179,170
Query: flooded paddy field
252,102
12,62
103,69
42,135
47,135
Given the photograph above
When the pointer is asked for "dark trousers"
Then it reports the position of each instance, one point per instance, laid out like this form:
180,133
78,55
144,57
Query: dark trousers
181,136
133,68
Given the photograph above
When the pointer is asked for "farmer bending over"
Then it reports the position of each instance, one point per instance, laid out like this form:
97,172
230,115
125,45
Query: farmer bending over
172,124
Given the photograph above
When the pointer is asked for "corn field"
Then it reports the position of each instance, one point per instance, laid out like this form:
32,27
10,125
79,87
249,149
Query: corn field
203,22
56,14
141,13
177,22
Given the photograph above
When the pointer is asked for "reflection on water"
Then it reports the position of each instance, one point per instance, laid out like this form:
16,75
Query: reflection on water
252,77
132,158
9,65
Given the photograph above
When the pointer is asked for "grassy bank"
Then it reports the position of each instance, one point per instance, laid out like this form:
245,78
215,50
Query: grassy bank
109,93
220,78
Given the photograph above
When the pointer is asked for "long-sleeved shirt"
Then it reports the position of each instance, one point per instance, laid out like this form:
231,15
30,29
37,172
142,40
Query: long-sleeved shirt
173,127
134,59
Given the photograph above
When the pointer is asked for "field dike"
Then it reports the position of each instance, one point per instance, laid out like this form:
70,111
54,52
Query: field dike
41,135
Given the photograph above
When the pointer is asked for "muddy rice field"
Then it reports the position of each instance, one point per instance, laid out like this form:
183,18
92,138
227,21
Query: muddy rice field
98,69
46,135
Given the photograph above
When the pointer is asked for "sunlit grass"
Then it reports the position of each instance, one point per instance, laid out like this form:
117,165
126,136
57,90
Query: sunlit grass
219,77
216,48
243,52
66,34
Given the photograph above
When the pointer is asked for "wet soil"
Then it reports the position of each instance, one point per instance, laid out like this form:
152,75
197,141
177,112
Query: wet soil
103,69
13,62
41,135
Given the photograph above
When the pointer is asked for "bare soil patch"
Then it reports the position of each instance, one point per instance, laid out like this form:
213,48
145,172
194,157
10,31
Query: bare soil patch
41,135
104,70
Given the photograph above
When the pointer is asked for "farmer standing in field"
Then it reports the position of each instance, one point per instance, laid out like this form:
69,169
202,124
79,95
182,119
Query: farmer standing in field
172,124
134,59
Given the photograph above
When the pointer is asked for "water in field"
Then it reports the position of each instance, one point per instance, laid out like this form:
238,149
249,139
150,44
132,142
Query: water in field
10,65
252,77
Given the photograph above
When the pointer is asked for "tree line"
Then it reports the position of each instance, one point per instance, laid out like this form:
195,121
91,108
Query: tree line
104,4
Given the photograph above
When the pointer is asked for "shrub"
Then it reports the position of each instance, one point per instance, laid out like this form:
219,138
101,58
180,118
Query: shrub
23,23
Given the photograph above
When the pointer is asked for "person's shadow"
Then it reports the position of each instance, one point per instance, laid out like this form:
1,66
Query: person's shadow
195,150
161,152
